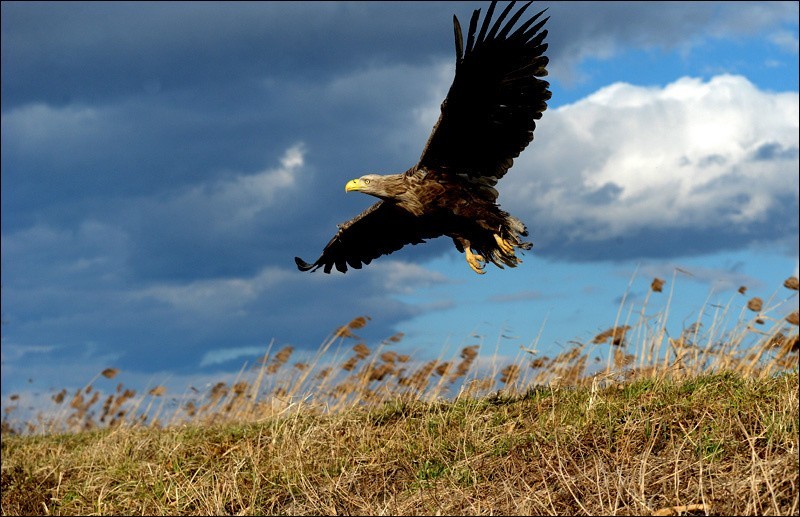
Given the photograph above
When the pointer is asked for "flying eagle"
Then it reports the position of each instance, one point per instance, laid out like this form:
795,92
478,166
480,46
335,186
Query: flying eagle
487,120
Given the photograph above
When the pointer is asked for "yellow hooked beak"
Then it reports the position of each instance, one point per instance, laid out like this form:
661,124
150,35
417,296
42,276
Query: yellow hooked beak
352,185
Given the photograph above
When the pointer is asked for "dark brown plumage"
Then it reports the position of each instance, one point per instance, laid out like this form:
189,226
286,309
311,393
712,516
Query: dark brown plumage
486,121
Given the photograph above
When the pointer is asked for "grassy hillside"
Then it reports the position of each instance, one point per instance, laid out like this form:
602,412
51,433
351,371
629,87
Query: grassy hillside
703,423
717,443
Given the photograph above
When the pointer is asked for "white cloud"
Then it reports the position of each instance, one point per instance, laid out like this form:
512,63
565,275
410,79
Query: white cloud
692,154
217,297
13,352
220,210
231,202
32,126
786,40
403,277
229,354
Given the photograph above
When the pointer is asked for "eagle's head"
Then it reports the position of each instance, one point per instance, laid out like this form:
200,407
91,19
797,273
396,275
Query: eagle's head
374,185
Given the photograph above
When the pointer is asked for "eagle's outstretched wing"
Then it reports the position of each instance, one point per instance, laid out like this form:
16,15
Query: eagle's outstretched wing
379,230
489,114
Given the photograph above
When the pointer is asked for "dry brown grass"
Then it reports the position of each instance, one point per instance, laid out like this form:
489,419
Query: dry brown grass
704,422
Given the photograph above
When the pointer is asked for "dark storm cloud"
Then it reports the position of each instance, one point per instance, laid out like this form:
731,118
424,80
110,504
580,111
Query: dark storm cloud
117,100
774,234
775,151
65,52
87,301
581,30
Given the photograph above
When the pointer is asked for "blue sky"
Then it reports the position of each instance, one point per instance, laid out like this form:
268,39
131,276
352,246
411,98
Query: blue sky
163,163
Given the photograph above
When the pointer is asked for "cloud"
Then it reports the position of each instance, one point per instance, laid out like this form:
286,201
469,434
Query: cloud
403,277
715,158
11,352
218,207
579,31
62,162
32,126
230,354
93,252
218,297
786,40
154,49
224,226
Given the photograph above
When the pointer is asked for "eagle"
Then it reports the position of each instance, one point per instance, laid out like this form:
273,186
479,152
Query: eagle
486,120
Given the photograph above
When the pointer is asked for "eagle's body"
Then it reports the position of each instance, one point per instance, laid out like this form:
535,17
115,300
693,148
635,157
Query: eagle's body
487,119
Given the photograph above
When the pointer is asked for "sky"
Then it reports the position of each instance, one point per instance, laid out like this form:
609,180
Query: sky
163,163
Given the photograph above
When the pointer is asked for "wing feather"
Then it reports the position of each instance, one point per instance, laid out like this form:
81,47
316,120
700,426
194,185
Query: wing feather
516,17
473,23
496,26
522,28
379,230
486,20
459,39
489,114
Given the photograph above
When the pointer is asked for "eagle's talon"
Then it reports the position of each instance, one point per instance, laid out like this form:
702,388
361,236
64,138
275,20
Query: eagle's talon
504,245
475,261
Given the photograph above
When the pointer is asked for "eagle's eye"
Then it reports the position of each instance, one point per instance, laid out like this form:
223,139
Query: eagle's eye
366,182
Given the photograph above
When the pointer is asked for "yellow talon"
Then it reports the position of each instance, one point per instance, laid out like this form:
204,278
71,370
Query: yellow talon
504,245
476,262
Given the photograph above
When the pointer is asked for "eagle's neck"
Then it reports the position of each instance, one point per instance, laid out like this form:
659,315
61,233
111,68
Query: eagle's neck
400,189
388,187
